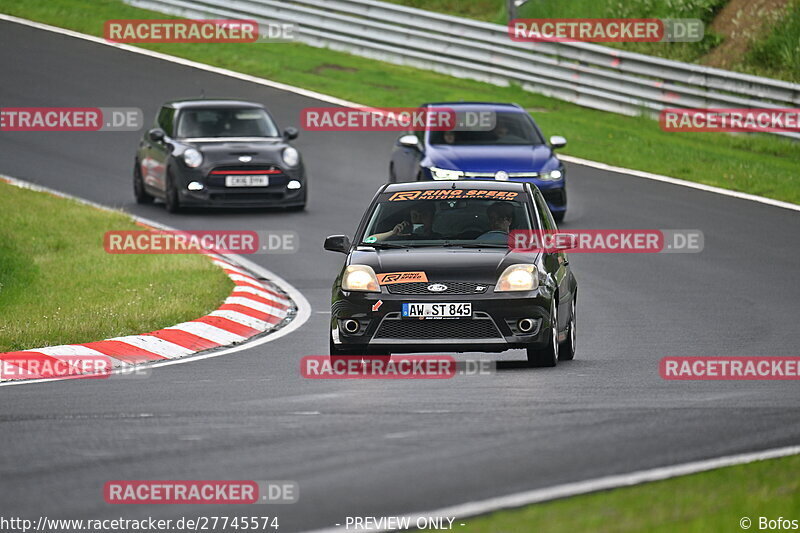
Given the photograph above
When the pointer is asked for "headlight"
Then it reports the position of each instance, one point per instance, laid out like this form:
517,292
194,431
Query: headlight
445,174
552,175
192,158
518,278
291,156
360,278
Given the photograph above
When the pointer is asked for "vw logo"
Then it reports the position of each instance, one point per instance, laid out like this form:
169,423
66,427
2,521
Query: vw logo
245,158
501,175
437,287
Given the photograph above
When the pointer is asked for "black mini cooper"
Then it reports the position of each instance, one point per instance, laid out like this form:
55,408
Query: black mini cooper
225,153
431,269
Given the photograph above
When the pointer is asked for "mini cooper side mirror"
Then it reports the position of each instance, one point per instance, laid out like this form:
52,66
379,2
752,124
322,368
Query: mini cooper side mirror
557,141
156,135
291,133
410,141
338,243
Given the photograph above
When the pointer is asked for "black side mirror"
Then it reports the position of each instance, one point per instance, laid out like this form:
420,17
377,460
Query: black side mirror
290,133
156,134
338,243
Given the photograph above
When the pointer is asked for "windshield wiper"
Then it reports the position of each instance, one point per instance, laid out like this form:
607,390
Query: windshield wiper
477,245
384,245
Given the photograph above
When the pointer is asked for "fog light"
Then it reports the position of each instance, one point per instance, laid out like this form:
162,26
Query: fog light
294,185
195,186
351,326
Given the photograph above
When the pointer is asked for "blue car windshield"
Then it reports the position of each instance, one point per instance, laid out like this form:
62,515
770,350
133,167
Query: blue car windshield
509,129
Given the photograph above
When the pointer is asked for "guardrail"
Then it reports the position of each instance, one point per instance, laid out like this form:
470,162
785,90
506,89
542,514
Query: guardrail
586,74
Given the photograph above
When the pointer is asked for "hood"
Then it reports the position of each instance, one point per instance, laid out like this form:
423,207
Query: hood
231,148
479,265
518,158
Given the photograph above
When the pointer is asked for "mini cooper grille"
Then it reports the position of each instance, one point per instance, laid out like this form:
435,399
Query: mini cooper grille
453,287
479,328
216,176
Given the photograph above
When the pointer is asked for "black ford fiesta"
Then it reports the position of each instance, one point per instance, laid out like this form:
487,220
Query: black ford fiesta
431,270
226,153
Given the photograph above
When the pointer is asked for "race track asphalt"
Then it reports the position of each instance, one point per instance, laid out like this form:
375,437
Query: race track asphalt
386,447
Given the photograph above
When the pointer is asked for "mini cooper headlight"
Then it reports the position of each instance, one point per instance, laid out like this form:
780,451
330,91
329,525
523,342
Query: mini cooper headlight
518,278
552,175
192,158
360,278
445,174
291,156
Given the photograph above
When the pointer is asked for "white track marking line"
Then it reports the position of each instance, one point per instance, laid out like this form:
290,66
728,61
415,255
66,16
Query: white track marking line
346,103
566,490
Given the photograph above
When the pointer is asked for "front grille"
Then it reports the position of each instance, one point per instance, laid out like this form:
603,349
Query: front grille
453,287
246,196
555,196
477,328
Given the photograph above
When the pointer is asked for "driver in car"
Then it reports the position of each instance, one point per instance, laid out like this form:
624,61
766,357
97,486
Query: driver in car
500,216
420,226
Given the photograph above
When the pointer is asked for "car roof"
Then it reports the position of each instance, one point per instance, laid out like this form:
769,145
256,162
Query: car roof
490,185
496,106
216,103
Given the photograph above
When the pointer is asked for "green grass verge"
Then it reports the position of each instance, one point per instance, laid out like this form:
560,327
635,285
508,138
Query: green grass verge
699,503
59,286
757,164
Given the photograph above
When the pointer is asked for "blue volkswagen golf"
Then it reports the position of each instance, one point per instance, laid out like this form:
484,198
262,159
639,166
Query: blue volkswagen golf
513,148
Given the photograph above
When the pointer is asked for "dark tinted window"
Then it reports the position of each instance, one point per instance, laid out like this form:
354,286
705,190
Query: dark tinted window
510,129
165,119
226,122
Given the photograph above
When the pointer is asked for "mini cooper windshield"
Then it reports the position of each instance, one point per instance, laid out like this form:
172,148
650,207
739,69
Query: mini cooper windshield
446,218
225,122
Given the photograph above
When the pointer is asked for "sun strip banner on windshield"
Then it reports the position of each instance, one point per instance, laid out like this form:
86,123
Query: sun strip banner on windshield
447,194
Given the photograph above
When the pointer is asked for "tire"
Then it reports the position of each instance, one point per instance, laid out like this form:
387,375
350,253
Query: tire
566,351
559,217
141,195
171,199
548,355
392,175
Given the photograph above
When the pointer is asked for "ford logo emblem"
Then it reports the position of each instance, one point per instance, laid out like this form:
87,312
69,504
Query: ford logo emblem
437,287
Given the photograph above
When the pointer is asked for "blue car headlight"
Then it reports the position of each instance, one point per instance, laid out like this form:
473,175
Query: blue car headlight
552,175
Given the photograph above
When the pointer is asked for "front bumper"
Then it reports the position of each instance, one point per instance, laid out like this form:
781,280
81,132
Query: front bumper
492,328
216,194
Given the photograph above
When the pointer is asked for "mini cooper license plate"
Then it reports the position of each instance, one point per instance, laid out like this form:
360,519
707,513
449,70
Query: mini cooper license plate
246,181
437,310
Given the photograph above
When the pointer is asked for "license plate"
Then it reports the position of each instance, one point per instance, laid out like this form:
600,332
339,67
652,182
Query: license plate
437,310
246,181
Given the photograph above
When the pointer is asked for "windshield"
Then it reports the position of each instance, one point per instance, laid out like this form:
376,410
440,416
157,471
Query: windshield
449,217
226,122
509,129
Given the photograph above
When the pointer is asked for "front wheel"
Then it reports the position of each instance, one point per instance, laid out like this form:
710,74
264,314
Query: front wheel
171,199
566,352
141,195
548,355
559,217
